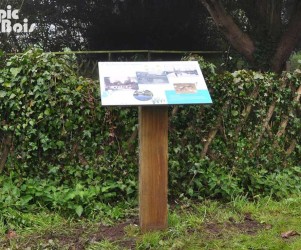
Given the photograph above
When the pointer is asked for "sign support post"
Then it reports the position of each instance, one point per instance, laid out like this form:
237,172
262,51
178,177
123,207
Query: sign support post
152,86
153,167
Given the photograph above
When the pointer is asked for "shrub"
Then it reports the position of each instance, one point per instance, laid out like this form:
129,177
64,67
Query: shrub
68,153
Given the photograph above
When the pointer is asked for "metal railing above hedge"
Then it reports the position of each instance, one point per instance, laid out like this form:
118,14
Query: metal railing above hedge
88,66
148,52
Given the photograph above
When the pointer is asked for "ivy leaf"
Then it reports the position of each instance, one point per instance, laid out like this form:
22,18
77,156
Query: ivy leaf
15,71
60,144
79,210
2,94
237,80
258,75
26,199
12,96
7,84
234,113
47,112
79,88
87,133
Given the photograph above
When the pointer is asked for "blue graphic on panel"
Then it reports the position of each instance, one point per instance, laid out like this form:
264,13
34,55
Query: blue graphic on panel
201,96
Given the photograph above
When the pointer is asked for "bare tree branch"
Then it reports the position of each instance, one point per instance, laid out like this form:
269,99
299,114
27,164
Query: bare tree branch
7,141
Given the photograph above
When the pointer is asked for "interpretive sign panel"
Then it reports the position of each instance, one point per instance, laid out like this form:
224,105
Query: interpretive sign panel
152,83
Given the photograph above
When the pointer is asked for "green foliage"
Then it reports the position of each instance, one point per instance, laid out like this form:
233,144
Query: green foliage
246,156
55,116
71,155
61,155
295,61
208,69
20,197
239,224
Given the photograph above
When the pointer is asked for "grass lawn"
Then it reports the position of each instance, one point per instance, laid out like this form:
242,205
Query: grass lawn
240,224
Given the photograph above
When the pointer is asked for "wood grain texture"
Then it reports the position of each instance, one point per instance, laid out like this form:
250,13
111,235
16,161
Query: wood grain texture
153,167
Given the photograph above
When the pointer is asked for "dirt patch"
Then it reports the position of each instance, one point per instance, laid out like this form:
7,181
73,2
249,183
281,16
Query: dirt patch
79,236
116,234
73,239
76,237
247,226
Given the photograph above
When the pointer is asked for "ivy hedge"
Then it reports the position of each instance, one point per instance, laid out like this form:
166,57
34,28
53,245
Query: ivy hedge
61,149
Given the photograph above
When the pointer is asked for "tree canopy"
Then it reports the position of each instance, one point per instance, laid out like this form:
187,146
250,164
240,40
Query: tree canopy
264,32
118,24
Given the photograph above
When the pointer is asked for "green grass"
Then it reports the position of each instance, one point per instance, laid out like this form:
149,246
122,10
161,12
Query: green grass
240,224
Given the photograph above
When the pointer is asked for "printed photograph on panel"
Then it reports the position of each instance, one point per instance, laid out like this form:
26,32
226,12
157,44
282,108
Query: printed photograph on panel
185,88
123,84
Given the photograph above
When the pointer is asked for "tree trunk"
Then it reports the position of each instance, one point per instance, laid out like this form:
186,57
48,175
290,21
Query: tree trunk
238,39
265,19
214,130
288,41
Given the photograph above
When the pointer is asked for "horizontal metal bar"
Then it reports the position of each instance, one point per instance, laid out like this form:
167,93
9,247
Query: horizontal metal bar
130,51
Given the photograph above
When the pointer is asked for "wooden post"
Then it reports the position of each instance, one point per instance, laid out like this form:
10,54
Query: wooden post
153,169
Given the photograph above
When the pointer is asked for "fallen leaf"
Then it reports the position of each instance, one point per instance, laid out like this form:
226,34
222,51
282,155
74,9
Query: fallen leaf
248,217
268,226
11,234
231,219
289,234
